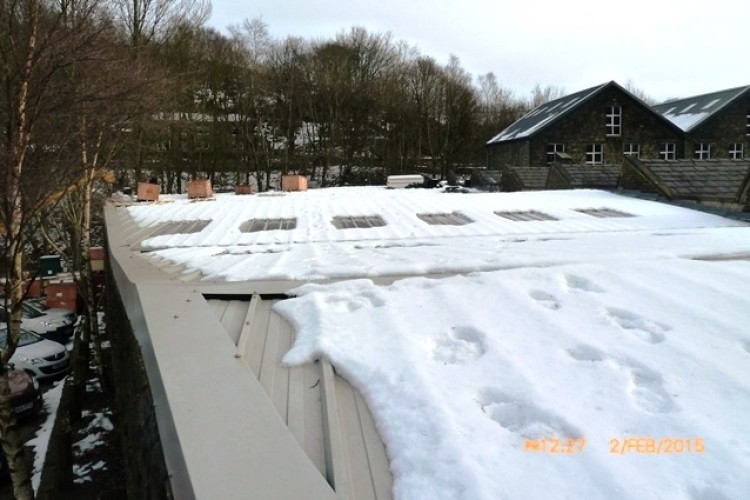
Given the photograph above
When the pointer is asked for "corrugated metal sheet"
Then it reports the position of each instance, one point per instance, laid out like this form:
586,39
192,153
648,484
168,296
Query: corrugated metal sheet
326,415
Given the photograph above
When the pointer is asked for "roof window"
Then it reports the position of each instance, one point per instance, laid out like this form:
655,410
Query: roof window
603,213
180,227
357,221
453,219
257,225
525,216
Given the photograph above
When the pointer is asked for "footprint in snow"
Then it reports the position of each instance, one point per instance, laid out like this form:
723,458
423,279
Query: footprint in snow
524,417
545,299
581,284
462,345
645,386
642,328
647,390
583,352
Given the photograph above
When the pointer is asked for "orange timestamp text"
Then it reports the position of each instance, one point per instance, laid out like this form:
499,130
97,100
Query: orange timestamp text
565,446
656,446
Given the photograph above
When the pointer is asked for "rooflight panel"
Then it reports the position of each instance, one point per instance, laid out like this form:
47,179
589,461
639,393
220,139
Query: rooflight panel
257,225
452,219
525,216
603,213
180,227
357,221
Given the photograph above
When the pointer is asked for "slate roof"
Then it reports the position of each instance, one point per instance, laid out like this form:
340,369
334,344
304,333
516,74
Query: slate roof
704,180
545,114
590,176
690,112
533,178
486,177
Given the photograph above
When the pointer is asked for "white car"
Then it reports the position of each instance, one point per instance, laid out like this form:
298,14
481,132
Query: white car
52,324
39,357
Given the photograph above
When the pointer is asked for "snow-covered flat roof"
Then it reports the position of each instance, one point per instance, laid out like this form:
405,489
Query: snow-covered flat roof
596,353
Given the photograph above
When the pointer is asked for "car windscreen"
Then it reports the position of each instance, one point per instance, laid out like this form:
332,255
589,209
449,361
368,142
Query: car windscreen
26,338
29,311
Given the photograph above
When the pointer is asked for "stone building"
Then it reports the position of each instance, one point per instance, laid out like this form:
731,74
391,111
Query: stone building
596,126
716,125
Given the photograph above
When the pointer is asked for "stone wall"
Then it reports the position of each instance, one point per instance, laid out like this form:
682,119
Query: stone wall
146,476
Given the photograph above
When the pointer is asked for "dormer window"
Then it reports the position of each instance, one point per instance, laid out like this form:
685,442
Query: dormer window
614,120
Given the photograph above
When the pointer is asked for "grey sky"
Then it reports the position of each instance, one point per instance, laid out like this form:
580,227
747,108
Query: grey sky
669,49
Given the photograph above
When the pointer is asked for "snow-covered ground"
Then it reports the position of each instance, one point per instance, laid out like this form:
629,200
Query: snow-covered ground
571,358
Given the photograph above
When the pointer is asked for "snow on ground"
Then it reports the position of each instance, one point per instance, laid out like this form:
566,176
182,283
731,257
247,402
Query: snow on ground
570,358
51,400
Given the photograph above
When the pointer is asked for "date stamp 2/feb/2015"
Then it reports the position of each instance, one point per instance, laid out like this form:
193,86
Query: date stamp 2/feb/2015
656,446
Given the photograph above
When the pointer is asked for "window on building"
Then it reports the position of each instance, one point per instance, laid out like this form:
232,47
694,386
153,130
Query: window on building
747,125
702,151
737,151
552,150
632,149
614,120
667,151
594,154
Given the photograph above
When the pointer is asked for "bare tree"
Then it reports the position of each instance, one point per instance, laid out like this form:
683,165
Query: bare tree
639,92
540,95
148,21
39,46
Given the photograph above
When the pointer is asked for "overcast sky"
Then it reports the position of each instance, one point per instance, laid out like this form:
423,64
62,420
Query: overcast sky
668,48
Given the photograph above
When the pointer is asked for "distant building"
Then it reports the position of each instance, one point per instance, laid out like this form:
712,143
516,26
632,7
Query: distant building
596,126
717,125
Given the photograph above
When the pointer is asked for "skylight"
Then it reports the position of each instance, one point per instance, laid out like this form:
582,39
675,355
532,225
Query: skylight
525,216
603,212
257,225
452,219
710,104
180,227
357,221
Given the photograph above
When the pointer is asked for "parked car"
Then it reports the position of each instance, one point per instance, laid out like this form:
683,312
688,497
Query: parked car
25,396
52,324
37,356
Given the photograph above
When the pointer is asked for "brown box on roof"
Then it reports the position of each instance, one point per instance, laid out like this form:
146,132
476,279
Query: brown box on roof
199,188
148,192
293,183
243,189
